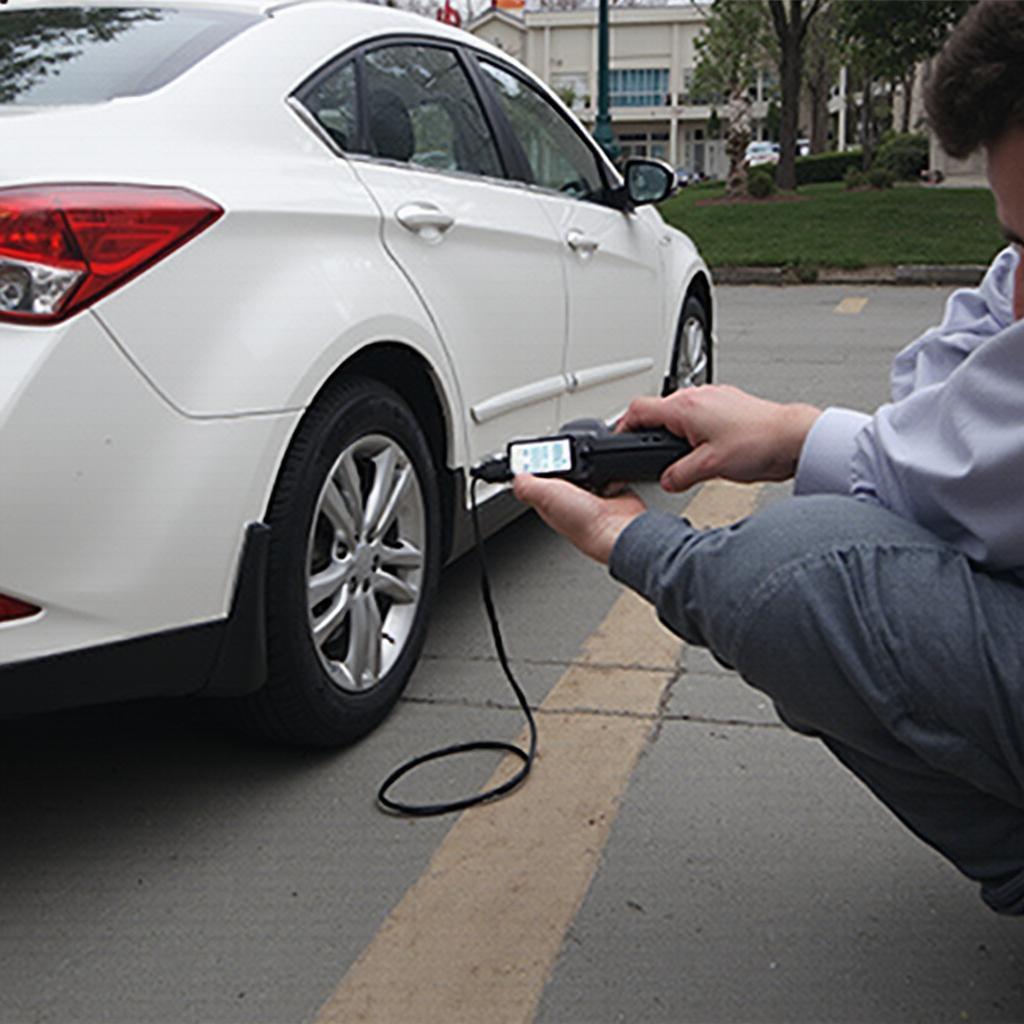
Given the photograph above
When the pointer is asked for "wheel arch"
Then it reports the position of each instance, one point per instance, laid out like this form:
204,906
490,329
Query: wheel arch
699,287
409,374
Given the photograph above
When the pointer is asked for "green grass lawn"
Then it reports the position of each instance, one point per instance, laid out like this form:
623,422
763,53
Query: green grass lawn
827,226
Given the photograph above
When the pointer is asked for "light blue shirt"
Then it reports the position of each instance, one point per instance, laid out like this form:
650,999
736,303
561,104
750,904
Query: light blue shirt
948,450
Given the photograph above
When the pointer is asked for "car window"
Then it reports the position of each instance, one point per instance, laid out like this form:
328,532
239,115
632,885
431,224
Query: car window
332,101
421,109
57,56
559,158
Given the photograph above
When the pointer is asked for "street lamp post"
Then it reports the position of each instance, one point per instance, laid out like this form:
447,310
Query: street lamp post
603,133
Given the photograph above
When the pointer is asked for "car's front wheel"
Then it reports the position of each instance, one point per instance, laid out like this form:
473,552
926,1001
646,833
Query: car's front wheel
353,567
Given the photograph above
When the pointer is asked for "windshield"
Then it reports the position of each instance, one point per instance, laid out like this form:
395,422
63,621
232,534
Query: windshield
79,55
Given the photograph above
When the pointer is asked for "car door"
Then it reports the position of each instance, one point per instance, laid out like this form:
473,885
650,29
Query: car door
474,245
613,271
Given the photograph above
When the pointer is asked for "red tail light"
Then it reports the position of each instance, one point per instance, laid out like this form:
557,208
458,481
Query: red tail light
62,247
12,608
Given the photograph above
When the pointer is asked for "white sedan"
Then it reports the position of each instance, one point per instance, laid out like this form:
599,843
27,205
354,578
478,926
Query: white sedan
272,278
761,153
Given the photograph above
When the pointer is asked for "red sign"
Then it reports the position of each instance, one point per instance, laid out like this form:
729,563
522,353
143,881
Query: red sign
449,15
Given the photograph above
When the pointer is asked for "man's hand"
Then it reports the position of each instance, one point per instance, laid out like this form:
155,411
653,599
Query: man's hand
734,435
593,524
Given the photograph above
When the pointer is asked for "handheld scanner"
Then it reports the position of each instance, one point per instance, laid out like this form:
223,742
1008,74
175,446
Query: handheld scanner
587,453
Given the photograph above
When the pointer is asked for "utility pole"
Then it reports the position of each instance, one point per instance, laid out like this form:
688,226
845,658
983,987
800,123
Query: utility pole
603,134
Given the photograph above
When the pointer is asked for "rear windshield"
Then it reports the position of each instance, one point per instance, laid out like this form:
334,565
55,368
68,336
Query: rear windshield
52,56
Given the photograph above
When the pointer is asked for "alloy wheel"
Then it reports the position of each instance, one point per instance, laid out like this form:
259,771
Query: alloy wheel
366,562
692,364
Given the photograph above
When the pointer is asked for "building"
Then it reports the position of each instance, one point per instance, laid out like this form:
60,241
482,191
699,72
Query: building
654,109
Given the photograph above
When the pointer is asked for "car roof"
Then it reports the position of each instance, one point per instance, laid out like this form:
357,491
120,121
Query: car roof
365,13
266,7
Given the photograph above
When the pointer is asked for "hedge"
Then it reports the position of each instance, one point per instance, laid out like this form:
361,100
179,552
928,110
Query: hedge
827,166
760,182
905,156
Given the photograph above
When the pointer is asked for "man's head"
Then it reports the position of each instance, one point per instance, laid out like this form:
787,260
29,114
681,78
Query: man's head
975,99
976,90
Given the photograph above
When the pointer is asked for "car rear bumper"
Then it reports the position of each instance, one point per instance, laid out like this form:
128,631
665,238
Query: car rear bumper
122,519
222,658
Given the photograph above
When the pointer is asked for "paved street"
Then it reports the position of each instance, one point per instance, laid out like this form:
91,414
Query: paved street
678,856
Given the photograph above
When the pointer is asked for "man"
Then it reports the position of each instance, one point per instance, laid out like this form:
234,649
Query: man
882,608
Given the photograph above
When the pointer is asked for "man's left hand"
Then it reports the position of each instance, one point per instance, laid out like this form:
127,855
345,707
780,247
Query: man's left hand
593,524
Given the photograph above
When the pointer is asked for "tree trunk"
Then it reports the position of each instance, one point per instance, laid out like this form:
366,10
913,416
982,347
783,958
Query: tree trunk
790,26
736,139
819,123
817,92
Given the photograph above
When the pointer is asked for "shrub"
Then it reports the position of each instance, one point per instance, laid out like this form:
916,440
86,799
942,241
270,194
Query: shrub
760,182
879,177
827,166
904,156
854,178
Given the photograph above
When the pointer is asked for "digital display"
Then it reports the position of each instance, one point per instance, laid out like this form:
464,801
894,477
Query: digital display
541,456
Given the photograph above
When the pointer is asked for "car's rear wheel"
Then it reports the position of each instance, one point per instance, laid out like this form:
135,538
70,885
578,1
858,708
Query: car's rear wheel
691,363
353,567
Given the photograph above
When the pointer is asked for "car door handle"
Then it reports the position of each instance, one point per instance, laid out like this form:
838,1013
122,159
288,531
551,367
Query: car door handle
581,243
425,219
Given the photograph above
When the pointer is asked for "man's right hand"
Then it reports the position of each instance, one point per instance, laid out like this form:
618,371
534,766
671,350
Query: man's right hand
734,435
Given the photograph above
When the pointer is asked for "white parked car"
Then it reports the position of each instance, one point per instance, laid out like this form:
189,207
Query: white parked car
759,153
272,278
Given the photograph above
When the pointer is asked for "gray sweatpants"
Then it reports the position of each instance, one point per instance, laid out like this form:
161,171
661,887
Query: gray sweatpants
868,631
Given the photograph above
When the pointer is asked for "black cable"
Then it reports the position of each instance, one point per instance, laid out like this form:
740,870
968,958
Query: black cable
526,756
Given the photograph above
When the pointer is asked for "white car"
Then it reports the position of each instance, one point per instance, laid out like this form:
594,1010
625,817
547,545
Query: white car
273,277
759,153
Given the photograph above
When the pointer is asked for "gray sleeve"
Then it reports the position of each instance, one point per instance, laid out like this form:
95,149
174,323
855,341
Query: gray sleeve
647,557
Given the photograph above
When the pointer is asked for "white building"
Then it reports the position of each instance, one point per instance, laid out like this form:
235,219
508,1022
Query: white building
651,66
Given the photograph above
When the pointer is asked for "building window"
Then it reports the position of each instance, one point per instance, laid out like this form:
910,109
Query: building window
643,144
638,87
571,89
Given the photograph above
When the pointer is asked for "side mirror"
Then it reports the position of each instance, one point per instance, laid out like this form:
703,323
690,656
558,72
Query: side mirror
648,181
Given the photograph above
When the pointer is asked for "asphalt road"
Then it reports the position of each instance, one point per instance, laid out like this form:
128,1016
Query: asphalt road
679,856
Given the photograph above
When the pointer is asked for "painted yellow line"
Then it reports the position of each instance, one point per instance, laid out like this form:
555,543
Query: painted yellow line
851,305
476,937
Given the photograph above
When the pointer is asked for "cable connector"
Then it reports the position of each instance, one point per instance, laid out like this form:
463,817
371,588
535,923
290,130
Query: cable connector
492,471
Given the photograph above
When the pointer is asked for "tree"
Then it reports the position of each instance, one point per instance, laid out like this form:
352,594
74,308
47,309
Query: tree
822,58
746,32
790,19
887,39
731,49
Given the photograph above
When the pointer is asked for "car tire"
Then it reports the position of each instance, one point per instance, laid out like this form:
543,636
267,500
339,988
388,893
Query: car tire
691,359
353,567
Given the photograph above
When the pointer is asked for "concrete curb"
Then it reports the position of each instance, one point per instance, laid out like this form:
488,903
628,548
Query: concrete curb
901,274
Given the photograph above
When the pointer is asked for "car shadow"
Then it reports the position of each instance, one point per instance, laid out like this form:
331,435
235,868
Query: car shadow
71,779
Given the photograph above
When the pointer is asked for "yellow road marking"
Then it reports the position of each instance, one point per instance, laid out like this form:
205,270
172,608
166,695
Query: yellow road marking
476,937
851,305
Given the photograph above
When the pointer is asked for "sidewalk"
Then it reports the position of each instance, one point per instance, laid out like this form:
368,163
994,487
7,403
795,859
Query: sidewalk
946,275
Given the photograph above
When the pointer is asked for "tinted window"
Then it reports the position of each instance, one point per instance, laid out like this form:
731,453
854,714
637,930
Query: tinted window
332,101
80,55
559,158
421,109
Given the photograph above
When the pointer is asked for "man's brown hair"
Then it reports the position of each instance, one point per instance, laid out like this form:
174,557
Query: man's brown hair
976,90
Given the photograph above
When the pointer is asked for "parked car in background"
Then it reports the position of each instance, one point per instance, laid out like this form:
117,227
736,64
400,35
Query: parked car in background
759,153
272,278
